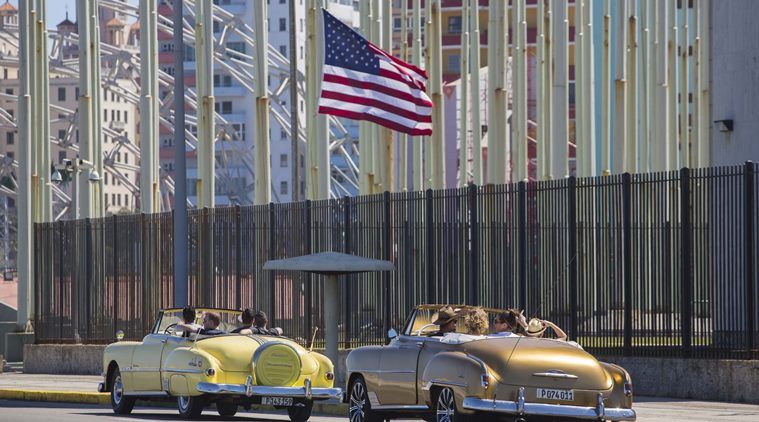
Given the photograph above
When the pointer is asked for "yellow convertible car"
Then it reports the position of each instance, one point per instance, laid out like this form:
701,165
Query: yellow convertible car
456,376
228,370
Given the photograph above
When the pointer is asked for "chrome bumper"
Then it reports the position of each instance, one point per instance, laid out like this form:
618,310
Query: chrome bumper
101,387
519,407
250,390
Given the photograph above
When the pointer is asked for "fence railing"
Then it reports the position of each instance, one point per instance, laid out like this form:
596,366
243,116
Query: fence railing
660,264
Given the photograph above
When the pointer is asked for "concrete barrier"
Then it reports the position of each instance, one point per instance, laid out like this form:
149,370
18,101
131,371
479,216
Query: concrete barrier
73,359
14,345
701,379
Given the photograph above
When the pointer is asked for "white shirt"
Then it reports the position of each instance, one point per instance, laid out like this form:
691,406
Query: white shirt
503,334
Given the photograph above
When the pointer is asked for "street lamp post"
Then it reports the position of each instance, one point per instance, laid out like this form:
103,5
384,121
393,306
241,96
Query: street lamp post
74,168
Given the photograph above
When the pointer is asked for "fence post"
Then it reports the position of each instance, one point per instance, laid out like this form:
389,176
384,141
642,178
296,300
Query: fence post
522,242
475,250
627,260
115,275
430,245
272,274
572,254
88,279
238,257
388,256
309,285
347,285
750,242
61,284
686,262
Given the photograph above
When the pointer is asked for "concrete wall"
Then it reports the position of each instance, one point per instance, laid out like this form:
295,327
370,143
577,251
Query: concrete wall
701,379
734,80
75,359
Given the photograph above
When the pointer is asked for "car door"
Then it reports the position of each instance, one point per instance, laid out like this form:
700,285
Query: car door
397,371
146,363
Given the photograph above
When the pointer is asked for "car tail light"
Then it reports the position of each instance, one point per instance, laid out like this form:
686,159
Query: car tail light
485,380
628,386
210,372
330,376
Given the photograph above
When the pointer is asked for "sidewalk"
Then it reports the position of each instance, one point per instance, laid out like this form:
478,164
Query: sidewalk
57,388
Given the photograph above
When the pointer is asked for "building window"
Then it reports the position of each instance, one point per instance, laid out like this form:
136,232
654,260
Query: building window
239,129
61,134
10,138
282,24
11,155
396,24
283,160
76,93
283,188
222,81
223,107
105,115
9,91
61,93
167,46
454,24
454,63
237,46
62,157
282,134
283,50
216,27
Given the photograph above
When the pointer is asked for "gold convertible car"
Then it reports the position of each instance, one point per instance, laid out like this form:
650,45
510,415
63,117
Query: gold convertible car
457,377
229,370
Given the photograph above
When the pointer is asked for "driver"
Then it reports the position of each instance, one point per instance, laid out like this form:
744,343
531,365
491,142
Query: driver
188,324
446,319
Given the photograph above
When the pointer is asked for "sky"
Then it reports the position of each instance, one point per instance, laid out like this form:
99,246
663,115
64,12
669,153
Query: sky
56,10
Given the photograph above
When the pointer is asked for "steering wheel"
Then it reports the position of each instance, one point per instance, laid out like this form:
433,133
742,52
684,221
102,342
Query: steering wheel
419,331
166,331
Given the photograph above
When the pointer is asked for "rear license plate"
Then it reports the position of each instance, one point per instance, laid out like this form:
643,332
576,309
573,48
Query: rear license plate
277,401
551,394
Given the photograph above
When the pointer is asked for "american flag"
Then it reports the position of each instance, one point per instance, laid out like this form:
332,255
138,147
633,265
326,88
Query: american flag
362,82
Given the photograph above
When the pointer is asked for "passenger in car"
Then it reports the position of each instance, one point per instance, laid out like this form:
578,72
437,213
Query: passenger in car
258,325
446,319
247,322
476,322
508,324
211,322
188,324
538,327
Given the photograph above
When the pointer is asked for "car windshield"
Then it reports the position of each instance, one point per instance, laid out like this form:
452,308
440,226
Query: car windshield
421,322
170,317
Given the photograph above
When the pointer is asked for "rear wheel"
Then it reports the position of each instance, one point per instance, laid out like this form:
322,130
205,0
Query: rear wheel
226,409
190,407
121,404
445,406
359,408
300,413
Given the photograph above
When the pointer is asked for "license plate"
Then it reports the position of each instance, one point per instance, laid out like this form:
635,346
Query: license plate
551,394
277,401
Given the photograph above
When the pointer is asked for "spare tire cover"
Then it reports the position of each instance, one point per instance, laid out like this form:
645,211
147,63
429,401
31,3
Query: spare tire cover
276,364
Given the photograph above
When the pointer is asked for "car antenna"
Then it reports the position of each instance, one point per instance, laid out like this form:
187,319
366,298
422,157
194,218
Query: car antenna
313,338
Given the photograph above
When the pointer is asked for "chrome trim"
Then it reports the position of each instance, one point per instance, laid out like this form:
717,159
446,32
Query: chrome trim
555,373
430,383
409,407
133,369
254,390
147,393
184,371
307,387
554,410
386,371
101,387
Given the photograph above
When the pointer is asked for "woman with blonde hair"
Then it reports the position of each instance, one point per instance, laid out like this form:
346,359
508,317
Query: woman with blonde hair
476,322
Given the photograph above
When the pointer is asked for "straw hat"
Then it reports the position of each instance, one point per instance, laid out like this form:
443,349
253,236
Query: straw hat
445,315
536,328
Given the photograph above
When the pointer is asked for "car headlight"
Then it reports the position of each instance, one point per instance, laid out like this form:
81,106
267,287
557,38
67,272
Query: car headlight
330,376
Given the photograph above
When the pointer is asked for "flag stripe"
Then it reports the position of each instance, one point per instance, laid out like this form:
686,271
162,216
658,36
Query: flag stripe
372,102
396,86
390,70
369,85
392,100
358,108
375,119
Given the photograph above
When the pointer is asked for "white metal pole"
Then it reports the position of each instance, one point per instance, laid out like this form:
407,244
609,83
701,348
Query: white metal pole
387,138
24,215
704,92
262,152
606,97
540,84
204,82
620,88
149,188
631,145
672,70
498,130
560,102
660,150
547,117
403,139
696,125
364,128
377,156
519,78
42,113
437,140
418,142
684,103
580,111
475,92
317,129
464,97
645,92
589,86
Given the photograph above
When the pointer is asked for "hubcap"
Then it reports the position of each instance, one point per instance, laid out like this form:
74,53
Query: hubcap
446,407
118,390
357,403
183,402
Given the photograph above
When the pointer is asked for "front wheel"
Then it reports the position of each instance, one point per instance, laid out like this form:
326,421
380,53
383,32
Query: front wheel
300,412
445,406
121,404
190,407
359,407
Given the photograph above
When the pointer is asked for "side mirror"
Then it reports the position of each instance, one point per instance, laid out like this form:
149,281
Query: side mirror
391,333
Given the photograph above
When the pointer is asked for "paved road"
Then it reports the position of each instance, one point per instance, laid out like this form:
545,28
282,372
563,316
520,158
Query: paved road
649,410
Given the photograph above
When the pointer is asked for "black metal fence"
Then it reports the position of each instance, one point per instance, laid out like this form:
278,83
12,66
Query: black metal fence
660,264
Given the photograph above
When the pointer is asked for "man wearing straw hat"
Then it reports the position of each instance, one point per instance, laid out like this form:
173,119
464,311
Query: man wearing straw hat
537,327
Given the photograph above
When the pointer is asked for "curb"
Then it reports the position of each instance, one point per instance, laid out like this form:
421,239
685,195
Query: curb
55,396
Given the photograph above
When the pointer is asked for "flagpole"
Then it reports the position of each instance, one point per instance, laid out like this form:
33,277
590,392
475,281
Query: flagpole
464,97
318,133
365,129
498,126
263,161
418,143
437,140
474,65
387,147
403,139
377,157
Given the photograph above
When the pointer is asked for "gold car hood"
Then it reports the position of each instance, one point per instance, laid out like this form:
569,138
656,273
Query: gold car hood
531,362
